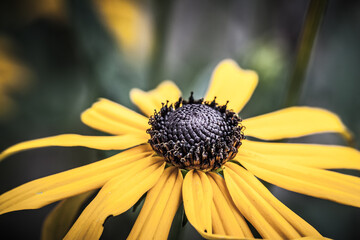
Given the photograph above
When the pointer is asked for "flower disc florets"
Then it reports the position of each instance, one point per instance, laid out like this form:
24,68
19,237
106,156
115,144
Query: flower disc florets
195,134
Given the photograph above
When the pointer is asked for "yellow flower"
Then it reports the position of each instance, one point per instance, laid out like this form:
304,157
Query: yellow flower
216,202
12,78
129,23
31,10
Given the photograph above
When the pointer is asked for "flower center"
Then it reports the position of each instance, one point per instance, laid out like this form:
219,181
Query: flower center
195,134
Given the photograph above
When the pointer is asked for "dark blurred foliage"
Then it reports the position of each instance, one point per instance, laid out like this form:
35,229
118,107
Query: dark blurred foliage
73,58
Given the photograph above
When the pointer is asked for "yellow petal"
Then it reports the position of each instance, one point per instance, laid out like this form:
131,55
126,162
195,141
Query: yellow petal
161,204
294,122
311,155
201,211
312,238
315,182
231,83
110,117
43,191
117,196
269,216
60,219
74,140
227,220
150,101
197,197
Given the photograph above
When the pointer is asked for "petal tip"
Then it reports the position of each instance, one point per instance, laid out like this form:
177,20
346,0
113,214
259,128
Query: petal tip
3,155
134,93
232,64
169,85
228,61
168,82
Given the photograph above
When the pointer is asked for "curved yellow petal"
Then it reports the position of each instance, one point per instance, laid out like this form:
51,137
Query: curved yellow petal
202,208
311,155
222,237
152,100
231,83
312,238
161,204
294,122
197,197
315,182
110,117
226,218
117,196
269,216
43,191
60,219
75,140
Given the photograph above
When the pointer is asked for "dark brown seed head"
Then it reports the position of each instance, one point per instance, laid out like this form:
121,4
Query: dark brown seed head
195,134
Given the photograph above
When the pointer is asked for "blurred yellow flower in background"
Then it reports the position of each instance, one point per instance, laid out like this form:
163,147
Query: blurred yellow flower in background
12,78
129,23
216,202
30,10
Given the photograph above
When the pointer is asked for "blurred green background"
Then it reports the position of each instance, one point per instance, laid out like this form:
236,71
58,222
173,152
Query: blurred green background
58,56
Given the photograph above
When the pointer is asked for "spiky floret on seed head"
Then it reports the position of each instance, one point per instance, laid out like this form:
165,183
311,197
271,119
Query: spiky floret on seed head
194,134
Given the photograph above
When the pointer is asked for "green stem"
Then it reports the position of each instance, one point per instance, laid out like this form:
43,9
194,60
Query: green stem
162,14
314,16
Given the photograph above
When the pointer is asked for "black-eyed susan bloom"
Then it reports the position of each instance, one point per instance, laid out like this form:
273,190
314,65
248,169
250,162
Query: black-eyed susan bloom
205,139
